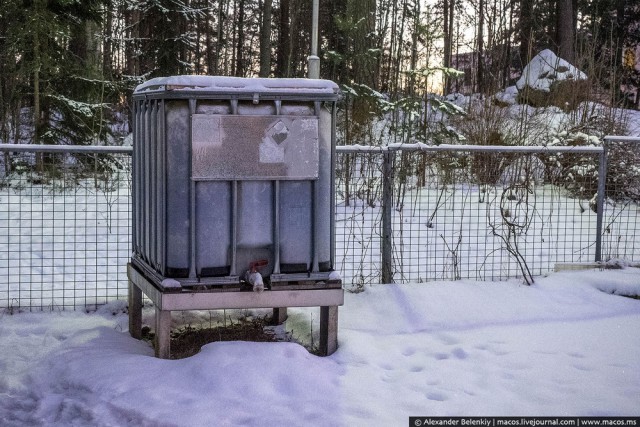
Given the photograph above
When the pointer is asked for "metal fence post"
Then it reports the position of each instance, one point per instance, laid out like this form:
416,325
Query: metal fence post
602,178
387,206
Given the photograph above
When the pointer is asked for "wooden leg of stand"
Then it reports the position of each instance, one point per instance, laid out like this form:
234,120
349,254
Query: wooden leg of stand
135,311
163,334
328,330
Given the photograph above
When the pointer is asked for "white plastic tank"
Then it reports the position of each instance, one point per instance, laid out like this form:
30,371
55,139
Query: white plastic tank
233,174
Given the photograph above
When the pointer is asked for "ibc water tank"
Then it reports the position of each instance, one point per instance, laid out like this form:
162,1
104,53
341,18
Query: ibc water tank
233,173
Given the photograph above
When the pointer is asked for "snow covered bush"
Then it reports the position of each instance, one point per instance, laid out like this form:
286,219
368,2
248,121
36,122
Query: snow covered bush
488,124
579,173
359,179
623,172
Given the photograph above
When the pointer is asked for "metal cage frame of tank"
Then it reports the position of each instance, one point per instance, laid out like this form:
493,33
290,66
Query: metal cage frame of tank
179,214
156,231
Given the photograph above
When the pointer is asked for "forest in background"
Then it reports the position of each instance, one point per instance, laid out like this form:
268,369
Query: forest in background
68,67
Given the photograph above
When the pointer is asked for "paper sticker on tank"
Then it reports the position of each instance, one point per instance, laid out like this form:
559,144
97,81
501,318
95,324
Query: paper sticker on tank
229,147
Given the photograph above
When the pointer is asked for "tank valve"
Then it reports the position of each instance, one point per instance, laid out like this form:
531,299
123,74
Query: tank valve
254,277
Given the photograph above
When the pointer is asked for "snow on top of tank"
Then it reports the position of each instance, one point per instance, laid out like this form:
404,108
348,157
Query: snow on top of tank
237,84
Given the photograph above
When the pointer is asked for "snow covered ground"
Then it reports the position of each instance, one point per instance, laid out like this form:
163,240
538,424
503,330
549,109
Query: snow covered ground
568,345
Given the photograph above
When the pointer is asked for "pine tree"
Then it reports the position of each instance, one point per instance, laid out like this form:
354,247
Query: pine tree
58,72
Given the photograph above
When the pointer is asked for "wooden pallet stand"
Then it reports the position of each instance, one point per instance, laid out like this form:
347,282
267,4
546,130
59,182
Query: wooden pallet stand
328,295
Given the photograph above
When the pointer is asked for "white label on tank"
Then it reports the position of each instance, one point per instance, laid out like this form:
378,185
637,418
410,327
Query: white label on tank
273,143
230,147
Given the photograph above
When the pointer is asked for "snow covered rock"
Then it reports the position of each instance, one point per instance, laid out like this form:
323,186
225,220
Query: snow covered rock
550,80
506,97
458,99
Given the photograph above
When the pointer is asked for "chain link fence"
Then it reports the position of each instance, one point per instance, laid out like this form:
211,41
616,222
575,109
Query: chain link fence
418,213
403,214
64,226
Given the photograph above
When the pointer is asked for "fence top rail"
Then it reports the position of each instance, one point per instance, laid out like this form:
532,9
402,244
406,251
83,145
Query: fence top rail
619,138
89,149
357,148
474,148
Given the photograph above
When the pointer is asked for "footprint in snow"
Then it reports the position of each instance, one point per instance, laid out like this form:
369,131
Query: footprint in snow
460,353
438,397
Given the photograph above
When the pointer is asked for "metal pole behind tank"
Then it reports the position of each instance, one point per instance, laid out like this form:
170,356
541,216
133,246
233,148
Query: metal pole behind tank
314,60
